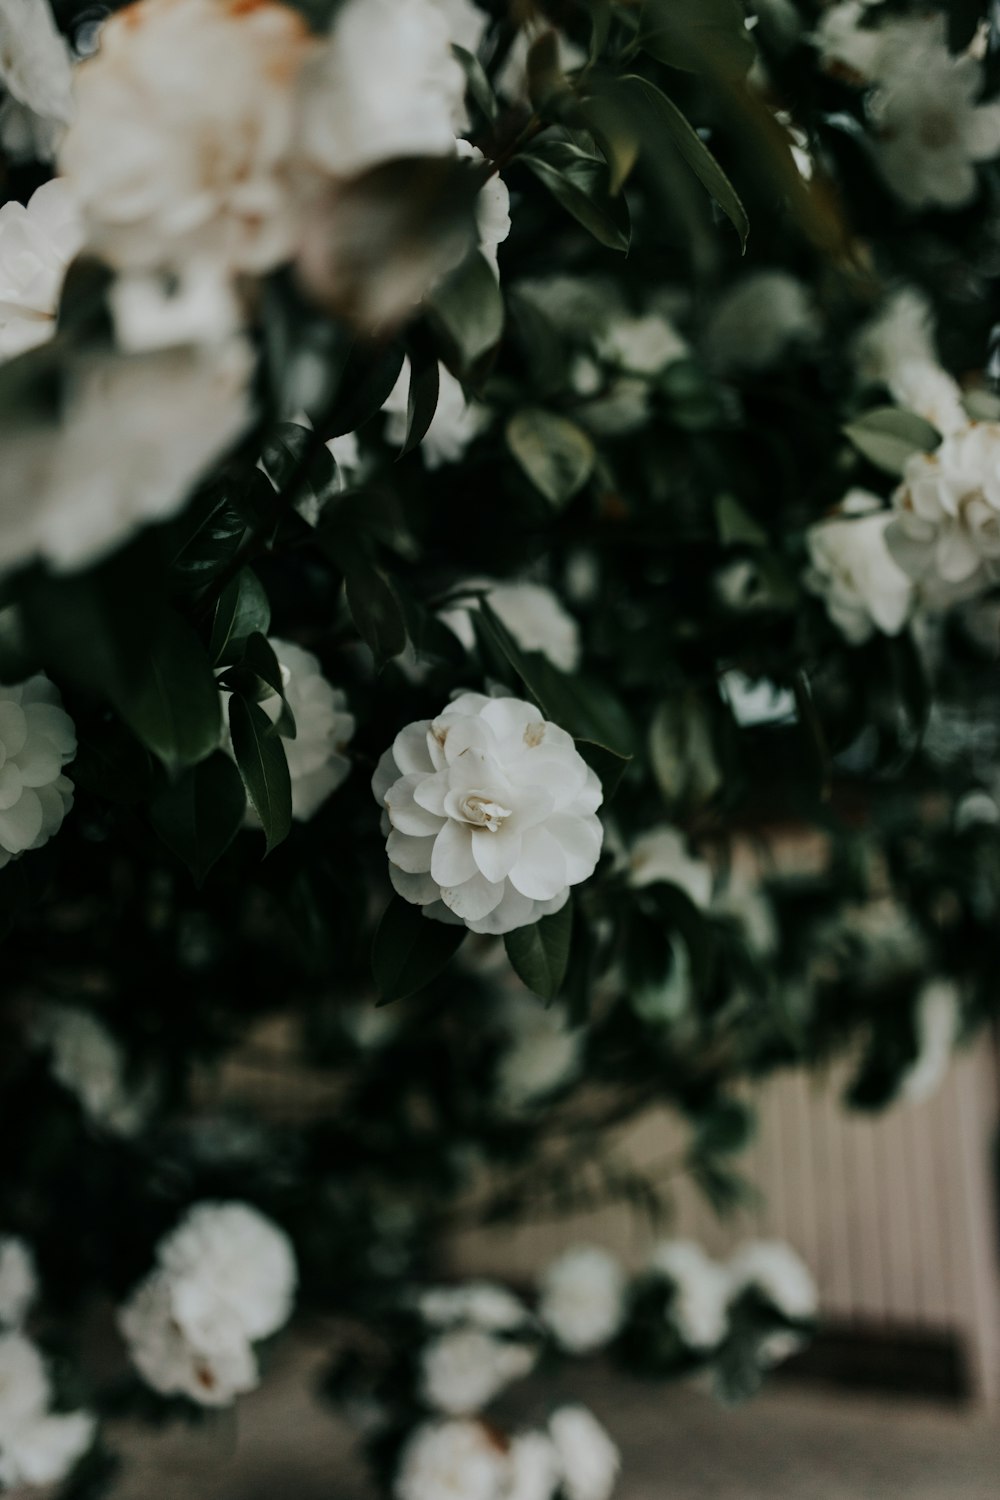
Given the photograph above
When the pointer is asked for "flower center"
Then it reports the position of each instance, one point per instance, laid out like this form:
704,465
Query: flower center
480,809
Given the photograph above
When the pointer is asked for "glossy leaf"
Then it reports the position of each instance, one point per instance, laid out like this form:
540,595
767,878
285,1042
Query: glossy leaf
243,608
539,954
260,755
174,707
468,309
580,183
409,949
556,455
198,815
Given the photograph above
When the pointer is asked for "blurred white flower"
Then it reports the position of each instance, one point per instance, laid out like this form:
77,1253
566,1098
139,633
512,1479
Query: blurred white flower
534,1467
897,349
588,1459
854,571
37,243
196,304
641,345
492,813
229,1256
181,143
455,424
463,1369
938,1023
662,854
466,23
86,1060
212,1368
701,1290
542,1053
483,1303
775,1271
456,1460
37,1446
531,612
582,1298
37,739
845,43
946,529
759,318
18,1280
756,700
36,78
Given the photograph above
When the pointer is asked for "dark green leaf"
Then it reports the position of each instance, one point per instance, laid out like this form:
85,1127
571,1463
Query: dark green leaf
545,76
243,608
409,949
260,755
556,455
421,400
370,372
478,83
375,611
699,36
468,309
174,708
198,815
582,186
539,954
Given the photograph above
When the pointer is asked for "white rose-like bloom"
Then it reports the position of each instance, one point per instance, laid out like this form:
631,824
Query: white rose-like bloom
462,1370
37,739
136,433
662,855
18,1281
455,424
37,1445
183,134
37,243
781,1277
543,1053
86,1060
37,78
643,345
938,1023
701,1289
582,1298
492,813
757,320
588,1459
897,348
947,511
854,571
457,1460
483,1303
212,1369
317,764
534,1467
229,1256
531,612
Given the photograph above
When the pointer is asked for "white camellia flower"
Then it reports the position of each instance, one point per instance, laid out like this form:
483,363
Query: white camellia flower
37,739
897,349
86,1060
485,1304
947,512
532,613
18,1281
37,1445
183,135
854,571
456,1460
463,1369
36,78
455,424
778,1274
136,433
37,243
543,1052
757,320
582,1298
938,1023
701,1289
228,1255
211,1369
662,854
492,813
588,1459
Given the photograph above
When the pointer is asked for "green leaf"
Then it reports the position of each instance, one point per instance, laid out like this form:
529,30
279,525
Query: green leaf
557,456
467,308
300,466
409,949
375,611
698,36
725,1128
421,400
198,815
263,765
736,527
888,436
582,186
545,76
539,954
174,708
370,372
478,83
243,608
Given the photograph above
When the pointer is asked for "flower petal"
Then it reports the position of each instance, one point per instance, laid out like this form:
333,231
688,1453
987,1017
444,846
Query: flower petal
473,899
452,861
411,854
21,824
405,813
541,870
496,854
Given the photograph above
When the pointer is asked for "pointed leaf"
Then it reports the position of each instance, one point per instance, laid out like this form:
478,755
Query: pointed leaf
888,436
260,755
409,949
468,309
243,608
539,954
199,814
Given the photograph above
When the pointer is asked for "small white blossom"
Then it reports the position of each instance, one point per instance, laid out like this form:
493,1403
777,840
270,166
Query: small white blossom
938,1023
482,1303
897,349
582,1298
778,1274
463,1369
212,1368
37,1446
492,813
588,1459
455,424
37,243
37,739
642,345
466,23
662,854
701,1290
543,1052
759,318
855,572
457,1460
18,1281
36,79
946,530
532,613
86,1060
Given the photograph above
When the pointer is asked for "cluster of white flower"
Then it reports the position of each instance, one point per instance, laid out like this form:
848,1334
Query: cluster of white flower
758,320
897,349
662,855
37,243
703,1292
482,1342
491,814
37,739
85,1058
853,570
225,1278
582,1298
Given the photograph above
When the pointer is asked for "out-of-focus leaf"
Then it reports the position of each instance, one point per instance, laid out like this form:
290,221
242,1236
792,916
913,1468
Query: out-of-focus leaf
888,436
478,83
174,707
198,815
421,400
375,610
698,36
369,374
557,456
468,309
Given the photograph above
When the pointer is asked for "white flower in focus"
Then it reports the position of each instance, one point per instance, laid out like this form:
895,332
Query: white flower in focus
758,320
947,512
897,349
37,243
938,1023
543,1053
317,764
211,1370
588,1459
482,1303
701,1290
582,1298
778,1274
534,1467
457,1460
463,1369
36,77
492,813
18,1281
86,1060
136,433
532,613
37,1446
229,1256
642,345
662,854
37,739
854,571
181,144
455,424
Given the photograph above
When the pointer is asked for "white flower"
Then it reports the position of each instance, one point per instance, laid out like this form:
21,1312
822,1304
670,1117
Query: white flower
588,1459
643,345
37,78
778,1274
532,613
897,349
854,571
86,1060
543,1052
37,739
756,700
701,1290
466,23
492,207
455,424
938,1022
37,243
196,304
463,1369
317,764
136,433
483,1303
758,319
662,854
534,1467
37,1446
384,85
582,1298
845,43
491,811
228,1255
947,525
457,1460
183,133
18,1281
212,1371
